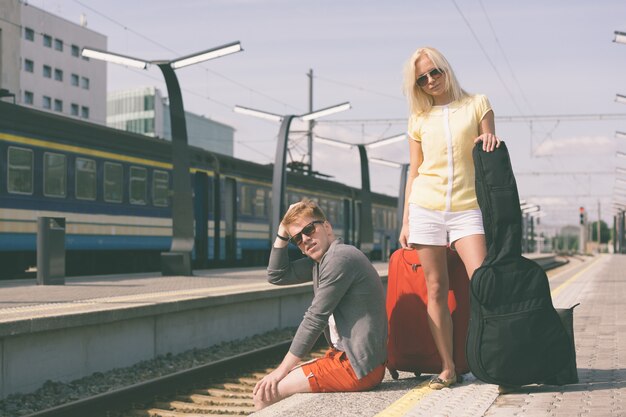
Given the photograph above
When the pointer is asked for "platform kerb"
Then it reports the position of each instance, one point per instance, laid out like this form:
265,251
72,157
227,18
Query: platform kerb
81,338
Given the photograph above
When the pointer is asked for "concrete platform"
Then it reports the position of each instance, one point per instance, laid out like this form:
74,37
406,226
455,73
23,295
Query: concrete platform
97,323
599,284
94,324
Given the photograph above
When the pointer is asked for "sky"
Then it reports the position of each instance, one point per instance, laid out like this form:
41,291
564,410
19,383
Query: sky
550,69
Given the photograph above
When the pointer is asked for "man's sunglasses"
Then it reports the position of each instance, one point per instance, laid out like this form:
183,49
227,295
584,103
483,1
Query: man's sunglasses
434,73
308,230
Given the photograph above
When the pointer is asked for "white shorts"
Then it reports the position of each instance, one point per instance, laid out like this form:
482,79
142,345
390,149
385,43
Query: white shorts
433,227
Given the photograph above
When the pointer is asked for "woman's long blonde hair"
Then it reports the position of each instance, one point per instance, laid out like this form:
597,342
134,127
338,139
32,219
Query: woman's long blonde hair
419,101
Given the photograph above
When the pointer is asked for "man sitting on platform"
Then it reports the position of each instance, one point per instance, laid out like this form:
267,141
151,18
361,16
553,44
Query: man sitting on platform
348,307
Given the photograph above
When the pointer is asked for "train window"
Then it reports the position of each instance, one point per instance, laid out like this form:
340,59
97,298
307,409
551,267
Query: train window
138,185
54,175
259,203
332,212
379,218
245,200
323,204
340,212
85,179
113,182
160,188
292,198
20,175
375,217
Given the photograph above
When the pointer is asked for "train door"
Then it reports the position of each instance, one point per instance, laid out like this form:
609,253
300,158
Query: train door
347,221
356,222
230,220
386,244
215,210
201,210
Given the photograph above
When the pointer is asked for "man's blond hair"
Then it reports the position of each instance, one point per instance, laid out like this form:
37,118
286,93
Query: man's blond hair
303,208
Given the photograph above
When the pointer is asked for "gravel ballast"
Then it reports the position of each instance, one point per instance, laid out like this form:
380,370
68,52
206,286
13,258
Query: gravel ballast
56,393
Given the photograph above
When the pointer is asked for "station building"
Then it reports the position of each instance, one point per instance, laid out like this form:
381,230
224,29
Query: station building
146,111
41,64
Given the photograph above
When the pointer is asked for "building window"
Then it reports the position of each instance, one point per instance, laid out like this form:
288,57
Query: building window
84,112
113,182
54,175
148,125
29,97
74,78
20,172
29,65
58,45
84,83
47,41
138,182
160,188
58,105
85,179
58,74
148,102
75,51
74,109
46,102
29,34
47,71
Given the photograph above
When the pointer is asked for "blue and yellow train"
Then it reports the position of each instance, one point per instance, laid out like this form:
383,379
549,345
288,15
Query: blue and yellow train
114,189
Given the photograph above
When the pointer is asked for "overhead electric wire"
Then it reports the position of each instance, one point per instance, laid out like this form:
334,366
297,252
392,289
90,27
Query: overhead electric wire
506,59
488,58
150,40
499,119
359,88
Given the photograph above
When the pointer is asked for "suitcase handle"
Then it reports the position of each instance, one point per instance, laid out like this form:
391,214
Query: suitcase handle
413,266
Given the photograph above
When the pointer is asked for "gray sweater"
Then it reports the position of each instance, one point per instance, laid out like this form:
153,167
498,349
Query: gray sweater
346,285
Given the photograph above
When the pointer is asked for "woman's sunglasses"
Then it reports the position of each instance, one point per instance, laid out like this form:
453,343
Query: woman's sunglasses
434,73
308,230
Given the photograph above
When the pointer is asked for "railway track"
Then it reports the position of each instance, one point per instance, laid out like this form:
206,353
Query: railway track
223,388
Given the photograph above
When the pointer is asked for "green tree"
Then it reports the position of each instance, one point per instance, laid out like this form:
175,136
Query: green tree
605,232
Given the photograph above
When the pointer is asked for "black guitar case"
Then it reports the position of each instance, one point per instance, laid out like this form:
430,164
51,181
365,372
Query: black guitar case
515,335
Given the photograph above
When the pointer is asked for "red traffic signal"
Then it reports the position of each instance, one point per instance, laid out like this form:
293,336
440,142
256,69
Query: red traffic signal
582,215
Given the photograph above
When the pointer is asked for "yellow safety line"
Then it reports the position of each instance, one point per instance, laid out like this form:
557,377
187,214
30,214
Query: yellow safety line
405,403
561,287
402,405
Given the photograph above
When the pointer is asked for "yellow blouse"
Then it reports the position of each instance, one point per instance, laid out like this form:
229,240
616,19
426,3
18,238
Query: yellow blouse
446,177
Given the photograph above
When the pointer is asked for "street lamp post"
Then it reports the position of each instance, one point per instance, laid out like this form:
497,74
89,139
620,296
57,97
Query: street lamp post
178,260
404,175
279,172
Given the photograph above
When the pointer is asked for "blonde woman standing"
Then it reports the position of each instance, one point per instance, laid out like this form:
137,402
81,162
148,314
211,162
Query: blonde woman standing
444,124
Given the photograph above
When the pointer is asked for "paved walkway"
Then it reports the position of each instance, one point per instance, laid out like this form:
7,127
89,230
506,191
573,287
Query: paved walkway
599,284
25,300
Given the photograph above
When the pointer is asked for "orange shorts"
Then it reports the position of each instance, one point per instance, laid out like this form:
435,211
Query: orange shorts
333,373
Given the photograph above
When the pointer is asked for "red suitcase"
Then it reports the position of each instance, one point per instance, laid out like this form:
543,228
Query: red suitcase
410,345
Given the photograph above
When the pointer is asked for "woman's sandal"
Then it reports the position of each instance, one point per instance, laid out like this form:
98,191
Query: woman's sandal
437,383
